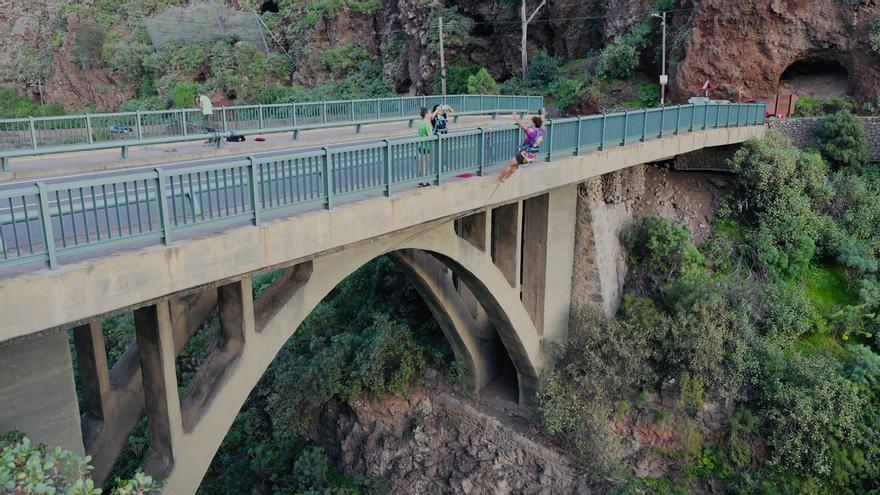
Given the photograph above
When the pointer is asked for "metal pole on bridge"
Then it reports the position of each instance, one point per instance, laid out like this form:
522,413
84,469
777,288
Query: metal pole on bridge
442,64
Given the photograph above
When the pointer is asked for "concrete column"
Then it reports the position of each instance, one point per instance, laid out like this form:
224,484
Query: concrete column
94,376
105,437
37,393
475,229
236,326
561,225
507,241
534,257
156,348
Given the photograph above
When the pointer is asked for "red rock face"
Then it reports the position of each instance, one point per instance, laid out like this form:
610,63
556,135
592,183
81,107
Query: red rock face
750,44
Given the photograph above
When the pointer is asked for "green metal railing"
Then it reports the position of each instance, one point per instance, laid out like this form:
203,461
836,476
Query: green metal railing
46,135
87,215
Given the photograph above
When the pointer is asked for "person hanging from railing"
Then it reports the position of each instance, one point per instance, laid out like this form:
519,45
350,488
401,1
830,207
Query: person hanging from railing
440,119
528,151
425,130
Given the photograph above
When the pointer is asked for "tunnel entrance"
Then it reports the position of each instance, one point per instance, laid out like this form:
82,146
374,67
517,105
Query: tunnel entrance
269,6
816,78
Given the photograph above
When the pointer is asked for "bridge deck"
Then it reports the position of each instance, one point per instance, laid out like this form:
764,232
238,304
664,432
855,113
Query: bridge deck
74,163
216,251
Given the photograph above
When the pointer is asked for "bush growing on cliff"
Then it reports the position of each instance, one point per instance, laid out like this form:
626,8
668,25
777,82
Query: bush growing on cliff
26,469
780,187
842,140
543,69
482,83
662,248
620,58
874,36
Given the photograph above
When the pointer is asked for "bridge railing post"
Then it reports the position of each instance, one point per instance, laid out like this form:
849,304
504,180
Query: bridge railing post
386,161
549,139
162,201
46,224
260,115
677,119
89,129
602,134
693,115
577,141
481,158
438,158
706,116
645,125
139,125
33,132
254,188
662,121
327,169
625,127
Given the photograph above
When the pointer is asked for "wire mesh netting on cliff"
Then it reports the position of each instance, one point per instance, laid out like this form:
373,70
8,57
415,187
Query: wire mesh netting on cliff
204,21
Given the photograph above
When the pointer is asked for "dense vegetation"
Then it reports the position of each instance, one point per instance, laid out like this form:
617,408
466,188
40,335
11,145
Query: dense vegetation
770,323
29,469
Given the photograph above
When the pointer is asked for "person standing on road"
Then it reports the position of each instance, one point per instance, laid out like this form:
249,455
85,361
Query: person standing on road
440,118
425,130
204,103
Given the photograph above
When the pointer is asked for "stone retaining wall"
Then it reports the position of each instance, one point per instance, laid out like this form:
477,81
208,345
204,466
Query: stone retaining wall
802,131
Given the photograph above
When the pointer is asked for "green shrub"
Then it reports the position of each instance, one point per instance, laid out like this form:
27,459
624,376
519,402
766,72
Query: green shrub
565,92
13,105
620,58
874,36
89,42
662,248
789,313
28,469
781,187
343,60
183,95
810,410
842,140
543,69
482,83
817,107
457,75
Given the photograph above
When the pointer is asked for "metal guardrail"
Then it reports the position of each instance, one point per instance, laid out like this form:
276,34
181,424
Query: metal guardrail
46,135
86,215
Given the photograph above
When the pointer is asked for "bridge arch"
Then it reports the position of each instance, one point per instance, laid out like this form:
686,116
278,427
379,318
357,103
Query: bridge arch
207,418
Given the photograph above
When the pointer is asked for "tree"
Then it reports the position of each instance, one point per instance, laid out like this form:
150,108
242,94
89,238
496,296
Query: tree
525,30
482,83
842,140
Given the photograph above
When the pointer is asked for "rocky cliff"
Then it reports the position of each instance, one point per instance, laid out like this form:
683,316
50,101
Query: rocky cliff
750,44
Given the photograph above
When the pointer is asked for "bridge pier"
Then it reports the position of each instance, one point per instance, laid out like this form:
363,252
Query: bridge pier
37,391
155,341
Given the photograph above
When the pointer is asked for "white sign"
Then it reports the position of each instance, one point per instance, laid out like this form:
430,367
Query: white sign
664,80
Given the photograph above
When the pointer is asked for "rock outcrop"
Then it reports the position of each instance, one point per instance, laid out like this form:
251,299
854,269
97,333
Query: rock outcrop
752,43
437,442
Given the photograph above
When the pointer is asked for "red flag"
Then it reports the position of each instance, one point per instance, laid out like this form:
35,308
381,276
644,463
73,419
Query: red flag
705,85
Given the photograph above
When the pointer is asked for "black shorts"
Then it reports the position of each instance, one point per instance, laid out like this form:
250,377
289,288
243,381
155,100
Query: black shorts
521,159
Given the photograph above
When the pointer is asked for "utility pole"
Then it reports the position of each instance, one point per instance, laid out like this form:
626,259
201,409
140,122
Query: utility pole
442,62
525,31
664,78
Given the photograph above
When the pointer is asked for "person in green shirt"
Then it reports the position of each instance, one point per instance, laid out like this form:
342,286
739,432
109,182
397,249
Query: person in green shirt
425,130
